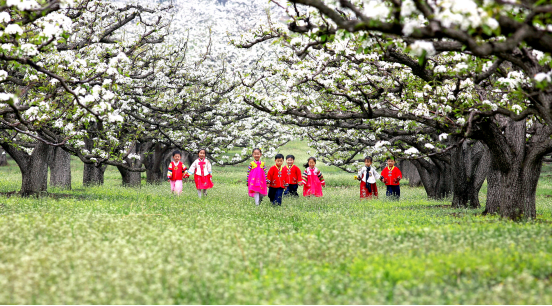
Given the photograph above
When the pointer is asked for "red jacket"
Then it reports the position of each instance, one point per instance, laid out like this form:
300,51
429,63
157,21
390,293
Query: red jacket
293,175
177,172
277,178
391,177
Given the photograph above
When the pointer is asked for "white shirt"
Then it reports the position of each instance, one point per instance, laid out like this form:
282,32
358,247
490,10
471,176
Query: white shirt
195,169
371,175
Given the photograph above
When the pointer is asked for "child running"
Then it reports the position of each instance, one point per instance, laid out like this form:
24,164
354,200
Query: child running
293,177
201,169
276,179
367,177
313,181
391,176
177,171
256,177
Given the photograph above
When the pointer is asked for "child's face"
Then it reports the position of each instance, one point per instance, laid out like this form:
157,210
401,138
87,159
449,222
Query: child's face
176,157
390,163
290,161
312,163
367,163
279,162
257,155
201,154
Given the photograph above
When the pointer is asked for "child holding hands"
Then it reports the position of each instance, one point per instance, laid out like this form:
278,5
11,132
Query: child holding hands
177,171
276,178
293,176
367,177
201,169
256,177
313,181
391,177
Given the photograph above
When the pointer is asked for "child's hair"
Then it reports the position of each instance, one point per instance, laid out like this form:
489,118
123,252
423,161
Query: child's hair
390,157
176,152
307,164
199,151
369,158
290,156
278,156
256,149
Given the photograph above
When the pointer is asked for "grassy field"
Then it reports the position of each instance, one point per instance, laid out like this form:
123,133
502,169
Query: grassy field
116,245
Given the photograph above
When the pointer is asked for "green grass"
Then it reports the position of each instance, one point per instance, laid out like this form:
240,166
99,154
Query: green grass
116,245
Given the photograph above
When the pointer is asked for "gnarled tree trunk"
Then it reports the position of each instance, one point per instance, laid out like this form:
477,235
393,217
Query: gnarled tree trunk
60,168
436,178
34,167
410,172
134,178
516,165
154,162
93,175
470,165
130,178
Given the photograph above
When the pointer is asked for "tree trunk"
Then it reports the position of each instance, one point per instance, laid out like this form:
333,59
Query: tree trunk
155,173
516,163
470,164
494,193
33,167
130,178
435,176
410,172
93,175
134,178
3,158
60,168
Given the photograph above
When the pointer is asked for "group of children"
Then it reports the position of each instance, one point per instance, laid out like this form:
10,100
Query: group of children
390,176
283,180
200,168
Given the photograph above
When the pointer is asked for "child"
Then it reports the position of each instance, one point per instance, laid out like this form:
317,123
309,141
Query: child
256,177
313,181
177,171
293,176
367,177
201,169
276,178
391,176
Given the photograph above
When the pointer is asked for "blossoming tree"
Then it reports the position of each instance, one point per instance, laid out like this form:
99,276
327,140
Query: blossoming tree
468,70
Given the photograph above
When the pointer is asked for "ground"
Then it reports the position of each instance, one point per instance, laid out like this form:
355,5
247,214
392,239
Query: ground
117,245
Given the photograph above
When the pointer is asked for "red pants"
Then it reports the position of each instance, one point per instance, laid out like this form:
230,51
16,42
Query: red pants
364,194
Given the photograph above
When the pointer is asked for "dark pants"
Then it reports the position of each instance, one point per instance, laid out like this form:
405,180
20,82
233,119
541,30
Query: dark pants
291,190
393,191
275,195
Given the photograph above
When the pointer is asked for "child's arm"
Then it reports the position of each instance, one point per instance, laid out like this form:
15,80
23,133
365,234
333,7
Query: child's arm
321,178
185,173
169,173
359,176
399,176
269,176
192,168
247,179
304,178
209,169
375,173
